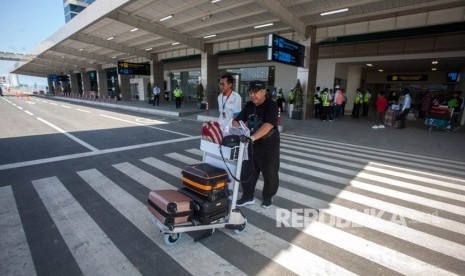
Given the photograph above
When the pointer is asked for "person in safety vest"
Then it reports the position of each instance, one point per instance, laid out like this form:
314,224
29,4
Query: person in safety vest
326,105
366,102
177,96
317,103
291,96
357,103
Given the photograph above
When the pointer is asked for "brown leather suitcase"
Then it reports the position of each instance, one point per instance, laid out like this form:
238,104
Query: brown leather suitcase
206,180
170,207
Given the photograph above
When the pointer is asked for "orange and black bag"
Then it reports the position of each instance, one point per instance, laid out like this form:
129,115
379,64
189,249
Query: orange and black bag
206,180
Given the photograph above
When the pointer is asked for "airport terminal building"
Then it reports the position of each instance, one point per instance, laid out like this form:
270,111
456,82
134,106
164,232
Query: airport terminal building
122,45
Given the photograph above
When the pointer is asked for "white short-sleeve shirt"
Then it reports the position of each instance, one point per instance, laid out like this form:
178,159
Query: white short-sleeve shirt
228,107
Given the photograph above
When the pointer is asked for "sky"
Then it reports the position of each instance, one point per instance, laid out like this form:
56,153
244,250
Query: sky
24,25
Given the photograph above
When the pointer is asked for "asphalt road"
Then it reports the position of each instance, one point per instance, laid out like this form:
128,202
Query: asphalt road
74,182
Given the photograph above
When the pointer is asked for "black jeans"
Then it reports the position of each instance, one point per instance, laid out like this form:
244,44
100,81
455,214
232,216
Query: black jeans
403,116
156,99
266,162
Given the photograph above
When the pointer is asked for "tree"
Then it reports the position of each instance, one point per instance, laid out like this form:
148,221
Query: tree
149,91
299,96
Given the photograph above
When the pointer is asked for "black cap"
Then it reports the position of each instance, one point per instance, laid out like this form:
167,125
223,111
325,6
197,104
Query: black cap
256,85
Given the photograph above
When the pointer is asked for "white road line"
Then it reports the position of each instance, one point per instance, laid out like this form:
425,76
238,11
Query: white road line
30,113
65,106
74,138
385,206
92,249
423,239
15,255
135,211
282,252
148,180
368,150
368,250
19,107
429,163
82,110
144,125
53,103
87,154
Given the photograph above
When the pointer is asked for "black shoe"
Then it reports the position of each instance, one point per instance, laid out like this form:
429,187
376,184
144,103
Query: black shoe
267,203
245,201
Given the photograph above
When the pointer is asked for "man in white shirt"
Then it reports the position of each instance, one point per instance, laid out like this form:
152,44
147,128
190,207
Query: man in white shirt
156,94
229,102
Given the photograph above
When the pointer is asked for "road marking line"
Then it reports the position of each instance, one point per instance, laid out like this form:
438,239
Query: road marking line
65,106
88,154
396,230
53,103
15,255
82,110
79,141
135,211
294,258
19,107
92,249
144,125
30,113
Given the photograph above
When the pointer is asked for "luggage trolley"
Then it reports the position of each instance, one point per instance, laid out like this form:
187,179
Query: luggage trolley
235,220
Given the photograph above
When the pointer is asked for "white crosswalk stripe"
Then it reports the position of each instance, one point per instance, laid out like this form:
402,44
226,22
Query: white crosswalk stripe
15,256
389,212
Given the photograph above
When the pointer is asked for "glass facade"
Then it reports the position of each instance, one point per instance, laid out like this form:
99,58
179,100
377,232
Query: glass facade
73,9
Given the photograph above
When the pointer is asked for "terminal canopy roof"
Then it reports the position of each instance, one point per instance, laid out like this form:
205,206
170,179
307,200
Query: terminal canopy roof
135,30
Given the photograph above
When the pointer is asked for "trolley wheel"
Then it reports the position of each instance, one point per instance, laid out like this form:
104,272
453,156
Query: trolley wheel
241,228
172,239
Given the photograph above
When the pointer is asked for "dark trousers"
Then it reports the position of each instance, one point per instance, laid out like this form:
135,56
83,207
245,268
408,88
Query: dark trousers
318,110
178,102
268,164
403,116
365,109
326,113
356,110
156,99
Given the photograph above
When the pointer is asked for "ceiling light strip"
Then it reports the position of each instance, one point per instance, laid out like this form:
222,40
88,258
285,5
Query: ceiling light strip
264,25
167,17
335,11
209,36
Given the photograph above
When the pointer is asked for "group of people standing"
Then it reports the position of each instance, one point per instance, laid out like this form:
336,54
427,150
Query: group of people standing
177,94
329,104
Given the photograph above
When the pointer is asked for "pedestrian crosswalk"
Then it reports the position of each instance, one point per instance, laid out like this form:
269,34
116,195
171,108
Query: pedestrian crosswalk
341,209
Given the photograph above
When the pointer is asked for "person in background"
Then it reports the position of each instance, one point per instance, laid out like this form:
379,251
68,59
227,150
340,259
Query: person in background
357,103
177,96
381,106
406,103
156,94
338,99
366,102
1,91
326,101
455,105
343,107
261,116
392,99
426,103
317,103
229,102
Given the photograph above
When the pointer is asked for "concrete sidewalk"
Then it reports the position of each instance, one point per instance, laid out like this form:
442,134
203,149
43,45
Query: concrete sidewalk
415,139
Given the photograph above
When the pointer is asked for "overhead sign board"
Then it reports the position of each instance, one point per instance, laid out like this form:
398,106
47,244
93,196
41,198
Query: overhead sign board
128,68
285,51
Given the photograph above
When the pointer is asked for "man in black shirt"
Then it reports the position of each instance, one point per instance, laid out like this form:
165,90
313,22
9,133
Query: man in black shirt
261,116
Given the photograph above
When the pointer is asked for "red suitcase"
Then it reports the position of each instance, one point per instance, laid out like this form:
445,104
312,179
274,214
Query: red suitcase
170,207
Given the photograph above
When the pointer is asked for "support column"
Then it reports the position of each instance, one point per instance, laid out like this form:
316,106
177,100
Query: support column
156,73
209,75
74,83
311,76
125,86
51,86
85,82
102,82
354,76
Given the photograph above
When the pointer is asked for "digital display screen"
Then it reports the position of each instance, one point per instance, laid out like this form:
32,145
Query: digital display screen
452,76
